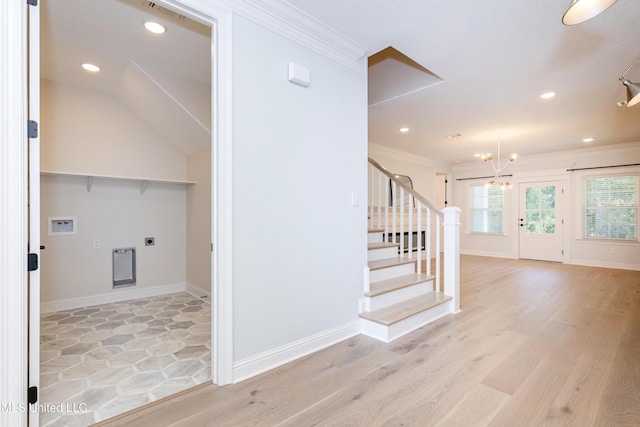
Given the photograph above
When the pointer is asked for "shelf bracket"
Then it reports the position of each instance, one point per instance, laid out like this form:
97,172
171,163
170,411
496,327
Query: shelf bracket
89,183
143,186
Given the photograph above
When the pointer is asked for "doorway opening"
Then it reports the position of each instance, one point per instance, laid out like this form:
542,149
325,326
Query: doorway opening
127,152
540,223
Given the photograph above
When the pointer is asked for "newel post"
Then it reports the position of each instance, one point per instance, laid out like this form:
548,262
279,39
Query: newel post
452,255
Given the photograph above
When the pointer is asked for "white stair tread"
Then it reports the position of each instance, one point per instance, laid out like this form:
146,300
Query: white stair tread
390,285
397,312
390,262
381,245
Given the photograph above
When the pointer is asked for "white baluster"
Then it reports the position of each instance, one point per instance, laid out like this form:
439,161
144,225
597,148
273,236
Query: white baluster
410,230
394,187
438,226
379,200
371,182
427,242
387,183
419,238
401,221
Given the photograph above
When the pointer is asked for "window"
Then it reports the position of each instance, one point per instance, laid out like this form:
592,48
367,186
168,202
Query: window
485,207
611,207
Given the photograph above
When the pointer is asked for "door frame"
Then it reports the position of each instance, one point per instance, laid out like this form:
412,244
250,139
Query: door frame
33,85
217,15
13,218
566,211
14,181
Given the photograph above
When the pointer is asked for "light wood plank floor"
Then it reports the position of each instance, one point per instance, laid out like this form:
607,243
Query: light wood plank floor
537,344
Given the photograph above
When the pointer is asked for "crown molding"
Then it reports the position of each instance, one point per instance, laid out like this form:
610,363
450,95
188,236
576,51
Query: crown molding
302,28
405,156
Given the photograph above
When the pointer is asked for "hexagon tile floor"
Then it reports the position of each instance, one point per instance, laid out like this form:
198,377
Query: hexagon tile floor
99,361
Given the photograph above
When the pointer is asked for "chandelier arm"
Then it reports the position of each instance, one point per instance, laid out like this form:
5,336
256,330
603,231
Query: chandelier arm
630,67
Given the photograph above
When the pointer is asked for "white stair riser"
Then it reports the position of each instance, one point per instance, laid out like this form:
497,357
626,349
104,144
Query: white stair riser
392,332
399,295
374,237
392,272
382,253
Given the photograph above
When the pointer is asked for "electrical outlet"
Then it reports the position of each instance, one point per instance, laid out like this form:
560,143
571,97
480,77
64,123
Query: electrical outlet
96,243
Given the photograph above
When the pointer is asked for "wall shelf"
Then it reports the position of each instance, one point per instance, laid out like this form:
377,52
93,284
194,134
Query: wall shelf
144,182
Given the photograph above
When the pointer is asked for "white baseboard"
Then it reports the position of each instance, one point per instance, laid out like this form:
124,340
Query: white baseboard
198,292
605,264
116,296
488,254
254,365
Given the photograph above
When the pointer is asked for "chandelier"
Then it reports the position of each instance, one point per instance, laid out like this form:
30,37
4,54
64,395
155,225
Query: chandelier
498,169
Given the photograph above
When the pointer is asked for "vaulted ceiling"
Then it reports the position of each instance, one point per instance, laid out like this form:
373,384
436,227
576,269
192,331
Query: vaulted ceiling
476,69
165,80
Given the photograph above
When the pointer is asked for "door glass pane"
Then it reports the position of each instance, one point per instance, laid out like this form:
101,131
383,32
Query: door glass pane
533,198
540,211
533,221
548,197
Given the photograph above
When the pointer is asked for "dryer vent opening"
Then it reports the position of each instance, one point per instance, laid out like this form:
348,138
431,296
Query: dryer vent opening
124,267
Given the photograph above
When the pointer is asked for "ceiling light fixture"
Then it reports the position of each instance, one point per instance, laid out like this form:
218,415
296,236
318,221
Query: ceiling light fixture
90,67
583,10
154,27
633,89
548,95
404,130
588,139
498,169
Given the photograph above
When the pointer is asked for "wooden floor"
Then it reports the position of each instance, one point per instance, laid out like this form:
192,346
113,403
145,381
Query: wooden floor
537,344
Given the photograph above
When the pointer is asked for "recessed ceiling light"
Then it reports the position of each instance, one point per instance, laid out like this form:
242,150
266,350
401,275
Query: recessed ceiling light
588,139
477,155
404,130
154,27
91,67
548,95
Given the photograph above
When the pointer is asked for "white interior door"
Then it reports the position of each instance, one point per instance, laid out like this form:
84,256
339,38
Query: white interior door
540,221
34,207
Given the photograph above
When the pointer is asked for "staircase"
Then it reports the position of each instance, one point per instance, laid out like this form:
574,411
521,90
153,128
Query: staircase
398,296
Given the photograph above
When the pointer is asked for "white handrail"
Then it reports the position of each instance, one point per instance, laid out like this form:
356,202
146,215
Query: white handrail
401,225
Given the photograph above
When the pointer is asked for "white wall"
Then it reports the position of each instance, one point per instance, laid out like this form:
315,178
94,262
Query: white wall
299,153
199,222
553,166
92,132
421,171
116,214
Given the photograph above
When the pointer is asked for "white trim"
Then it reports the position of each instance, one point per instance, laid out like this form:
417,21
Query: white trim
222,207
288,21
34,208
115,296
13,217
198,292
217,14
254,365
488,254
403,156
605,264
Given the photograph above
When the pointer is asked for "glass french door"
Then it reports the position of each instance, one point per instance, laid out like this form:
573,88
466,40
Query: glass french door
540,221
